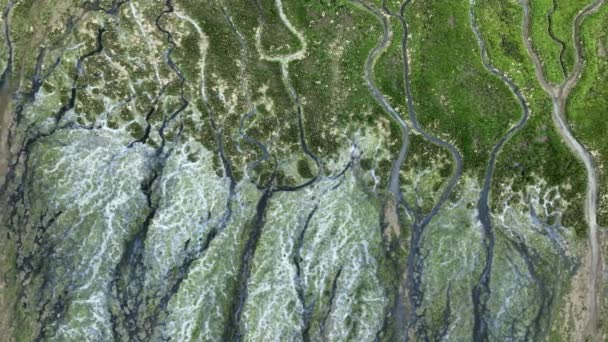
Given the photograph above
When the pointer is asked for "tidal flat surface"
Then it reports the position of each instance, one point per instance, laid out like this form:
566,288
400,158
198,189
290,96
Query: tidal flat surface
290,170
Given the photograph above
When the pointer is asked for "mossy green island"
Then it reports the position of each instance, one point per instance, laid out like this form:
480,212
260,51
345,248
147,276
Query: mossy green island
303,170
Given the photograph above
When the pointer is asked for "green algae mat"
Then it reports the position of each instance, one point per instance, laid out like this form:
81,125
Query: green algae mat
303,170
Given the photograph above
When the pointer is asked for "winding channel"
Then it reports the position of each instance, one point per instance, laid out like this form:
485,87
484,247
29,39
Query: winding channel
415,261
234,330
284,61
481,290
394,186
457,174
559,95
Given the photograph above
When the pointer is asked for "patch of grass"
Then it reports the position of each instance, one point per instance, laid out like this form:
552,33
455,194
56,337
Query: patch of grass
330,81
304,169
562,26
559,24
276,39
455,97
547,49
388,70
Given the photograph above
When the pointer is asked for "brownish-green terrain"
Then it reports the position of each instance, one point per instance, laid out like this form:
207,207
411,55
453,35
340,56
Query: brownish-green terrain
303,170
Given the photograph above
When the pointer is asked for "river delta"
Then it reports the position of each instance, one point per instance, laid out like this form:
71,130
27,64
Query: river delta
315,170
